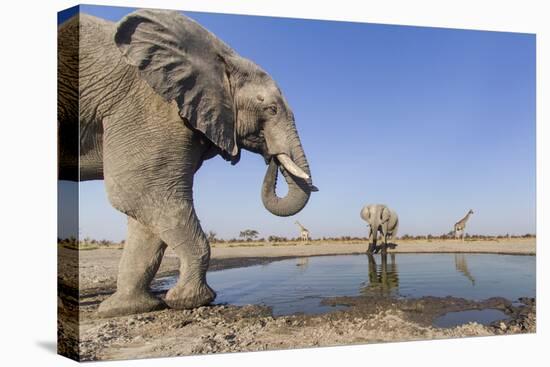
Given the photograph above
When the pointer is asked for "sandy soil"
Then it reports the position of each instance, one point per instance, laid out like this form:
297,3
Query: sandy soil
215,329
513,246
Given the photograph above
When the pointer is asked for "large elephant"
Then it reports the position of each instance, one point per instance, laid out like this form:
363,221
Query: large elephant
380,219
155,96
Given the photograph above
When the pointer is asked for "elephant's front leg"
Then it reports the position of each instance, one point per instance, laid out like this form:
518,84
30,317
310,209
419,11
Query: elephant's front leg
372,242
139,263
384,245
181,230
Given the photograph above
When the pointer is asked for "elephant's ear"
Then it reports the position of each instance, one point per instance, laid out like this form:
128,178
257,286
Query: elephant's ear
180,60
385,214
365,214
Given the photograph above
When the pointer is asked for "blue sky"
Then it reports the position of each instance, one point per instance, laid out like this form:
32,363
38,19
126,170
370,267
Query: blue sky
430,121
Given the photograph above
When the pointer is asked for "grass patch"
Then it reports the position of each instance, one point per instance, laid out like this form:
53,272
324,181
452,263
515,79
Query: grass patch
284,244
86,246
80,246
244,245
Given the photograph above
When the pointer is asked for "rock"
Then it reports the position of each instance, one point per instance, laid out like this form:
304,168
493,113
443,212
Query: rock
181,324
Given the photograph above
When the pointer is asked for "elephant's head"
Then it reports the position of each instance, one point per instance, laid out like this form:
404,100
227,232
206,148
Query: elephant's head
376,215
229,99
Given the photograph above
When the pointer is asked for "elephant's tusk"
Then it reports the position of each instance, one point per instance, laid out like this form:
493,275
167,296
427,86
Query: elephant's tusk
291,167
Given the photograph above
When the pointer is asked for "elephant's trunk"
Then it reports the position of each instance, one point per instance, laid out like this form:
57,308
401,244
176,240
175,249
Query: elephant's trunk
375,227
299,187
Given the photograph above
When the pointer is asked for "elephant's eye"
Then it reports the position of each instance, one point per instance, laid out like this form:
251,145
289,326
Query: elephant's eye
272,109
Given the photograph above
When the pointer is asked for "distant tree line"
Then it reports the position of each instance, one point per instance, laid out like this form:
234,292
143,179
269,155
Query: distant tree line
88,243
273,238
450,235
251,235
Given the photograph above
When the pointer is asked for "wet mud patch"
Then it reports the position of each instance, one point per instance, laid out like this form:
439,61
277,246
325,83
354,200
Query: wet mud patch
456,318
518,315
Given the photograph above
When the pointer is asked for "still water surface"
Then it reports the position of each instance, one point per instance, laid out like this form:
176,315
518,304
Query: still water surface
451,319
299,285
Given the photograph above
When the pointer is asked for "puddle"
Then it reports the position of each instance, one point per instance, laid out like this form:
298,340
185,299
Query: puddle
484,317
518,303
299,285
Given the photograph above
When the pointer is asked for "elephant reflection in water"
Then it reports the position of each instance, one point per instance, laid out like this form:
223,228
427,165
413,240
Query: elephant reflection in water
462,266
383,279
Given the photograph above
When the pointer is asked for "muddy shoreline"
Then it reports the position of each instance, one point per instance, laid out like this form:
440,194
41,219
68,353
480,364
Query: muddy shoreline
227,328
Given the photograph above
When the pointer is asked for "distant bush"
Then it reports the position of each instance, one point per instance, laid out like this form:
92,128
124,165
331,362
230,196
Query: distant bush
243,244
286,244
248,234
211,236
88,243
276,239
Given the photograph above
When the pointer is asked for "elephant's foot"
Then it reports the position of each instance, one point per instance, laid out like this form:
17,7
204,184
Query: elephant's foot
128,304
371,249
188,295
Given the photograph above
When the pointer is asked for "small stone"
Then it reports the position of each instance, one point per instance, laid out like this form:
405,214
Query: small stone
179,325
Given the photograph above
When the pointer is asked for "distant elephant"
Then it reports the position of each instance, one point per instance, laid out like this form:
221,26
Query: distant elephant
380,219
155,96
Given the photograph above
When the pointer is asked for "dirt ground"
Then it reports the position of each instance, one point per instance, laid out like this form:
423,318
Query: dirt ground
226,328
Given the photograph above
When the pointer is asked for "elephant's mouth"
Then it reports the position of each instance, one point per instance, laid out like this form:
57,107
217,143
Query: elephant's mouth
291,167
299,184
286,164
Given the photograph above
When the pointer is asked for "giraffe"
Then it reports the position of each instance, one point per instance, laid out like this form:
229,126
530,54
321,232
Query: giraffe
460,226
304,233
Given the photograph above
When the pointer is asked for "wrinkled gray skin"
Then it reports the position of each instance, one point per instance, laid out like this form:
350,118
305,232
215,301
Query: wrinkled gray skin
383,220
159,94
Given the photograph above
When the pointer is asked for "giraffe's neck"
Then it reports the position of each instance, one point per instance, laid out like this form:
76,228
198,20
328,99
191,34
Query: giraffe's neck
465,219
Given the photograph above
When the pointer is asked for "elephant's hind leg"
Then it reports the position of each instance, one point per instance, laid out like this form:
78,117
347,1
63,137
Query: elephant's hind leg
139,263
186,238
